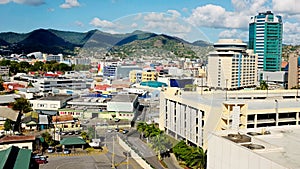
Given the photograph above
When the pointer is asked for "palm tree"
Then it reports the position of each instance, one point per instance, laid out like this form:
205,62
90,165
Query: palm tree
161,144
141,127
197,158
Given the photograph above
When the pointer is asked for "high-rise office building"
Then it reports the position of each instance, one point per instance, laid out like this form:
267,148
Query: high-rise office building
265,38
231,65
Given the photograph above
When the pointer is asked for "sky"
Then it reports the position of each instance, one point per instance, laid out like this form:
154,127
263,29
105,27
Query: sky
191,20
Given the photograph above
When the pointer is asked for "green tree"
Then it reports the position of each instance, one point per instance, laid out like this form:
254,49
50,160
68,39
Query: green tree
84,136
22,104
197,158
160,143
263,85
48,138
8,125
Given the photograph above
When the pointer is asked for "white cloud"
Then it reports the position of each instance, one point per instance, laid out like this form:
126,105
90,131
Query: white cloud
134,25
234,34
290,7
70,4
102,23
26,2
170,22
291,32
4,1
218,17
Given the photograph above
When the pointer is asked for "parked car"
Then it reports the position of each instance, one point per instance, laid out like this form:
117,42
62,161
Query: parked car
50,150
67,151
109,130
71,132
125,131
117,120
116,129
77,132
40,159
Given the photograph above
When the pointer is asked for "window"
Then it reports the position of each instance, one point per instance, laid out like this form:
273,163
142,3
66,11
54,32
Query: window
53,105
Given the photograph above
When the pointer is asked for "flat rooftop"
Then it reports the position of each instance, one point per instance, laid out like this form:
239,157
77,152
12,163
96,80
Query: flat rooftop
280,145
124,98
255,99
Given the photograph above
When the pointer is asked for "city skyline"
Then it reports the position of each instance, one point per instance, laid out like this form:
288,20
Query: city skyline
191,20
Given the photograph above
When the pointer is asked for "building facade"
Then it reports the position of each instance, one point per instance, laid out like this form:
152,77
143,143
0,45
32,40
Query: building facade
231,65
265,38
192,116
294,71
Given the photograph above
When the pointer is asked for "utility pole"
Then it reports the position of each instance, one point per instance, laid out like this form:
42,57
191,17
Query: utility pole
113,154
128,152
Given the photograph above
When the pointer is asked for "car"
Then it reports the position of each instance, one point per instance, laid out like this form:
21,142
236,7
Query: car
117,129
50,150
67,151
58,149
40,159
125,131
85,121
117,120
77,132
71,132
109,130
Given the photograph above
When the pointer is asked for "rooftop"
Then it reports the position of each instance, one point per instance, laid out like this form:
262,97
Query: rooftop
124,98
279,144
9,139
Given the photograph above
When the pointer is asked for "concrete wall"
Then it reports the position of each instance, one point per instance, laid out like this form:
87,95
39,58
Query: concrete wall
134,155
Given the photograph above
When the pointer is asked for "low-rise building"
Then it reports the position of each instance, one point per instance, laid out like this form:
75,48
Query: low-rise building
26,142
124,106
49,105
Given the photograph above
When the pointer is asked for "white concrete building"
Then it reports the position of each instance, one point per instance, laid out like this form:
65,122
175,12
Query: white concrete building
192,116
231,65
268,148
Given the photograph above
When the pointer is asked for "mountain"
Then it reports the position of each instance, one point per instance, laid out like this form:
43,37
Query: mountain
68,42
3,43
202,43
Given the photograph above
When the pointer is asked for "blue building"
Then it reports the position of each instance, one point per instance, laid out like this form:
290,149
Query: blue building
265,38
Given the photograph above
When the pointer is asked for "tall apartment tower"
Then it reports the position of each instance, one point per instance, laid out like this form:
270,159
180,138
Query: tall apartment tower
265,38
231,65
294,71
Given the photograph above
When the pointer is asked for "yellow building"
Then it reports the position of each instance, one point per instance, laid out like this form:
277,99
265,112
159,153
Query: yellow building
149,75
135,76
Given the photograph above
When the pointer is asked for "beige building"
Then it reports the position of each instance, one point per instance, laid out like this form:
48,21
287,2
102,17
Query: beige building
231,65
294,71
192,116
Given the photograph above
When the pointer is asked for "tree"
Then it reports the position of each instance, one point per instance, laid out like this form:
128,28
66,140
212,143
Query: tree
8,125
161,144
197,158
263,85
22,104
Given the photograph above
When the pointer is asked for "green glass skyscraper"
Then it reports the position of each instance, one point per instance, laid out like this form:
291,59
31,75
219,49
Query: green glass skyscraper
265,38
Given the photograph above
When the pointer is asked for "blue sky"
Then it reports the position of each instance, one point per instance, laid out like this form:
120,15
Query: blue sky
189,19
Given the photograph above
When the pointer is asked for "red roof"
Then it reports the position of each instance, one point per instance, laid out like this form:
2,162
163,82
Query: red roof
8,139
284,64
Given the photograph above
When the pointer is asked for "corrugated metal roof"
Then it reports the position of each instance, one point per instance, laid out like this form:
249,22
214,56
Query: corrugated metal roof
8,113
72,141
